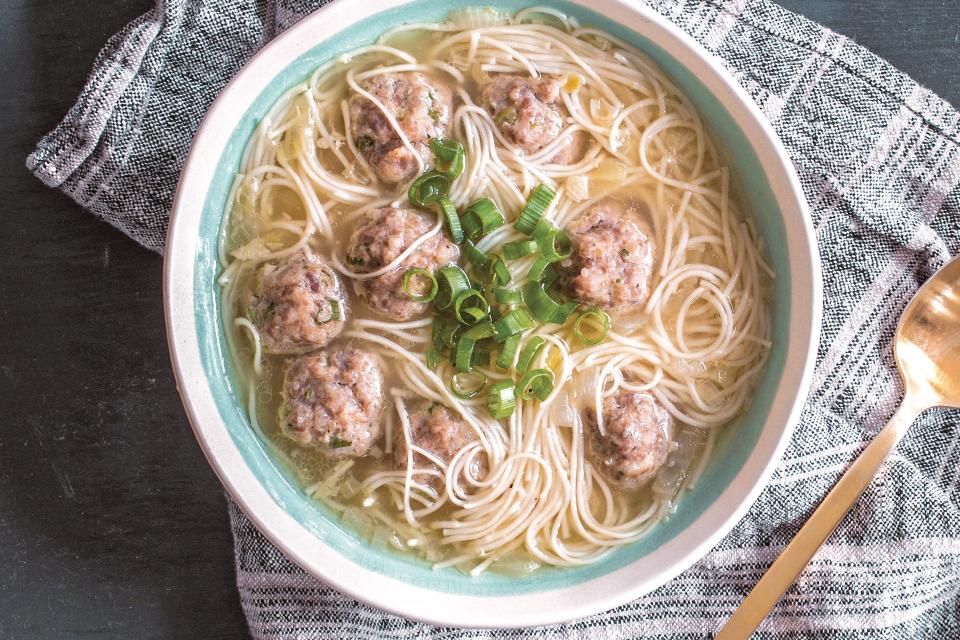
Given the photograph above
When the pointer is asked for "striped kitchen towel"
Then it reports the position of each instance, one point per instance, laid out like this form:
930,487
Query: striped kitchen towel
878,159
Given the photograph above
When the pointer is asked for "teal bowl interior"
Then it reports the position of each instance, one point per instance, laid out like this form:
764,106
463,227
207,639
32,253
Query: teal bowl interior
733,446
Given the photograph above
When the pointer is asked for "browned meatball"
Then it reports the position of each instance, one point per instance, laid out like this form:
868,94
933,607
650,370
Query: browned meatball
636,439
422,107
294,305
525,111
442,432
612,256
385,235
332,400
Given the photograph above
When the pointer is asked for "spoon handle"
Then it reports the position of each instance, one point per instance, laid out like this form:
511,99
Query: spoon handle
784,571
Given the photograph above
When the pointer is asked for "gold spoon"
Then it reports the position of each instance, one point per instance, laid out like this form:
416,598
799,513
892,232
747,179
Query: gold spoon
927,350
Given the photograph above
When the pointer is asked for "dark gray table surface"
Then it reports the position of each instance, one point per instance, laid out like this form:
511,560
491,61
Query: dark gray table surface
111,523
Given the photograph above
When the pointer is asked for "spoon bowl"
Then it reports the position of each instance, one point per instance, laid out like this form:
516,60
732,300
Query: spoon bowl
927,342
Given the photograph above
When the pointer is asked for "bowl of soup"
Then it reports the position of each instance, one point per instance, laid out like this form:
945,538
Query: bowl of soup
490,315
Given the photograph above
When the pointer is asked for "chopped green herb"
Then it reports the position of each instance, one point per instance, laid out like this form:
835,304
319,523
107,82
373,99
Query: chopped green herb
309,394
338,443
507,115
624,253
434,115
363,143
356,262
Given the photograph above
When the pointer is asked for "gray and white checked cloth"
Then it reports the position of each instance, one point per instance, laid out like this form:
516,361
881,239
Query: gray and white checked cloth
879,162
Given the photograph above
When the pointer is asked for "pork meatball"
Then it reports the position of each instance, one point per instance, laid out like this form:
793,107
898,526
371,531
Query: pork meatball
379,241
612,256
332,400
422,108
442,432
298,305
525,111
635,442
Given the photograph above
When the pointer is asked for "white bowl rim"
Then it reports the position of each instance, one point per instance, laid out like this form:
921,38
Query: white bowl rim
451,609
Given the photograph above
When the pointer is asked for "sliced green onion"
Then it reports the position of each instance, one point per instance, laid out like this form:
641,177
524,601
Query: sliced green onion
450,156
451,281
540,269
517,321
555,245
334,312
444,333
429,188
537,205
549,276
466,385
433,358
501,399
508,349
594,314
536,383
542,229
507,296
408,289
470,307
449,212
529,353
519,249
463,354
499,272
541,305
477,258
480,331
481,357
481,217
564,311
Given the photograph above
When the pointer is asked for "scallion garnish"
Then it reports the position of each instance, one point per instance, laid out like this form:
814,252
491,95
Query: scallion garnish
470,307
481,217
530,350
519,249
433,358
409,288
449,156
480,331
449,212
507,296
537,205
499,272
555,245
536,383
501,399
564,311
466,385
539,269
517,321
474,256
429,188
451,282
593,315
463,354
508,349
541,305
444,333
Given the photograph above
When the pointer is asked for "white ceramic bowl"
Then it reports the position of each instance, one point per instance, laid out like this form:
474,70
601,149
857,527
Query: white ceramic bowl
744,457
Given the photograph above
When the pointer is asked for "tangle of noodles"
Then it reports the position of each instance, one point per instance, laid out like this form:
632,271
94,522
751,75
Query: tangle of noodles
698,346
